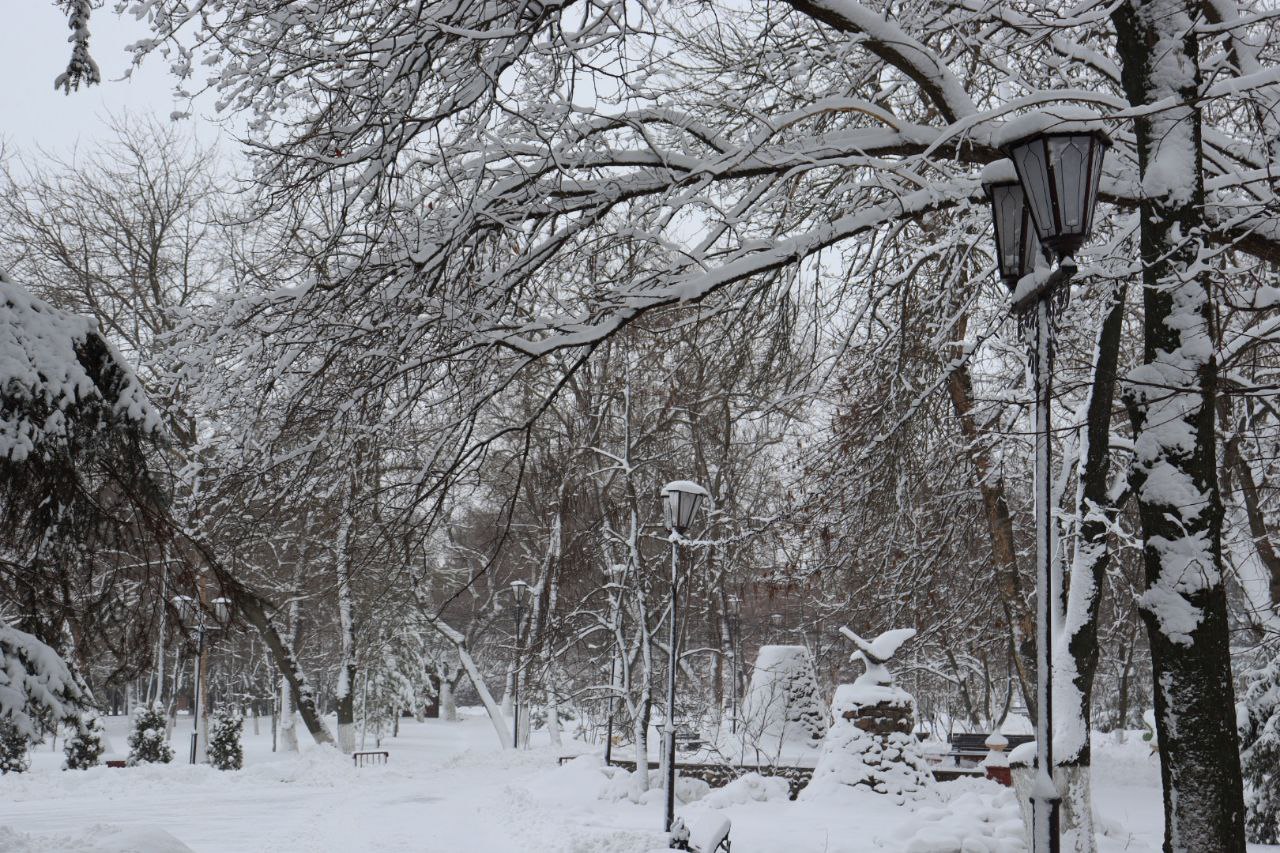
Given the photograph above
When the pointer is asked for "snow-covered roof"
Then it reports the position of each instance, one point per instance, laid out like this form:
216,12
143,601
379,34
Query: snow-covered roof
57,375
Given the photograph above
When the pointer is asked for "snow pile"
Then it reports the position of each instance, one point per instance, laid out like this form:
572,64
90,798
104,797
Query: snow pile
102,838
750,788
626,785
977,817
319,767
783,704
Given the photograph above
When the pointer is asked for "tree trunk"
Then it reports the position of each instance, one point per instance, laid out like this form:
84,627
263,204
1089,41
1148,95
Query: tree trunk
1171,403
1077,647
345,692
1004,554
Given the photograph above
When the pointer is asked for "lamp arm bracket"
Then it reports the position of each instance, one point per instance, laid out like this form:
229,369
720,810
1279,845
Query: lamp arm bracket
1038,285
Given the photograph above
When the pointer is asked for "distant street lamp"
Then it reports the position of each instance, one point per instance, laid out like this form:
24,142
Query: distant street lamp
776,620
734,617
194,616
519,590
680,502
1044,196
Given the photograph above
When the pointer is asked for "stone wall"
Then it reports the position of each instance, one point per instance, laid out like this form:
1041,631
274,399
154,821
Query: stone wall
719,775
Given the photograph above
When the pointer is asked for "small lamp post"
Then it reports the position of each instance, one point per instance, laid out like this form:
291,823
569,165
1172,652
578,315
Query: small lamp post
680,502
519,590
193,615
1044,196
776,620
734,617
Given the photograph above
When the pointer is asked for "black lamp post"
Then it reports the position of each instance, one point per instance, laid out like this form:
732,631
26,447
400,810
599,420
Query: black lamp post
519,589
1044,196
680,502
194,616
734,617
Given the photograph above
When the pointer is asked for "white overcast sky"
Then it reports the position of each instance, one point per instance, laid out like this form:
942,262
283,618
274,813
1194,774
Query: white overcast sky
34,50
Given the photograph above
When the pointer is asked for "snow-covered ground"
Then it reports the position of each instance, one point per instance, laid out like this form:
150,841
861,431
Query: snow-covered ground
449,788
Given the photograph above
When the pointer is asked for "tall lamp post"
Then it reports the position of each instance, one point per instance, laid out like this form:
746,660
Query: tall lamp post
519,589
1042,202
194,616
680,502
735,625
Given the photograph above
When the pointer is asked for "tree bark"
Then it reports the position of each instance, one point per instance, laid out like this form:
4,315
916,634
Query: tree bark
1171,402
345,693
1004,554
1077,648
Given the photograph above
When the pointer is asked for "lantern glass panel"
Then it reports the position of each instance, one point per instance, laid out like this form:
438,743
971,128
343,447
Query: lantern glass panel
1007,210
1029,158
1069,165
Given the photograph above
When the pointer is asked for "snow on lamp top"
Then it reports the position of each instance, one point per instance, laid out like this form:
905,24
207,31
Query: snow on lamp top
680,502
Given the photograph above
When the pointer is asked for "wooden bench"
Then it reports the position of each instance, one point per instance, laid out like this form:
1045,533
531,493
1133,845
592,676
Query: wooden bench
710,834
377,756
973,746
687,741
116,762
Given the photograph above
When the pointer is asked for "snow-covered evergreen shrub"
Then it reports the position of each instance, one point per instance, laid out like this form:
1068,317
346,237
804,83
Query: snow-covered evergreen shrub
84,747
14,757
888,762
783,704
147,744
1260,753
225,752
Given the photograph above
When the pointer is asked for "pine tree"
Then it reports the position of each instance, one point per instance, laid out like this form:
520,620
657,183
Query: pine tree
147,744
85,747
225,752
1260,754
13,749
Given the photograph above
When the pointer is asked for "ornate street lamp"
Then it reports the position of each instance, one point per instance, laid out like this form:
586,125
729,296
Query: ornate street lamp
194,616
519,590
680,502
1056,166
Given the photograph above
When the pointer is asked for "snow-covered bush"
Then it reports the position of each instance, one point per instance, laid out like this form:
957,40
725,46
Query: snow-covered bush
783,703
225,752
147,744
84,748
1260,753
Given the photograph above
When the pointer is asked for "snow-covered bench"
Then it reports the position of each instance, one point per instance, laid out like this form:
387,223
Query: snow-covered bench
709,834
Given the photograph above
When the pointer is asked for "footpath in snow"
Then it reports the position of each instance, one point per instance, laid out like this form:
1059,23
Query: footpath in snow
449,788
